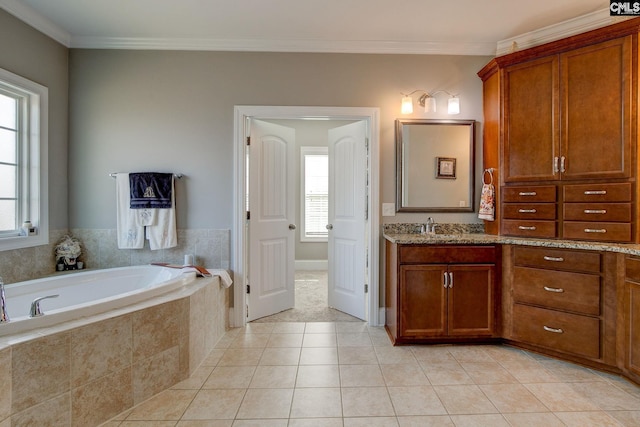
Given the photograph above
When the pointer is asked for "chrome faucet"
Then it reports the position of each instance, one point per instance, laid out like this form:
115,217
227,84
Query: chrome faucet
431,226
35,306
4,317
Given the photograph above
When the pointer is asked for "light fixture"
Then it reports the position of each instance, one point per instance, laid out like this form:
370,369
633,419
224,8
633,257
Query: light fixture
428,101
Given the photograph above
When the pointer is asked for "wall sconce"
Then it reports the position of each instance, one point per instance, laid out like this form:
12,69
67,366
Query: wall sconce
428,101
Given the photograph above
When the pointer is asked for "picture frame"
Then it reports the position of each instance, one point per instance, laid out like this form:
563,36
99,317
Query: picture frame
445,168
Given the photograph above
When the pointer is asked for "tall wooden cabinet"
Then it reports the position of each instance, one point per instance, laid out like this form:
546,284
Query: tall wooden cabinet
564,114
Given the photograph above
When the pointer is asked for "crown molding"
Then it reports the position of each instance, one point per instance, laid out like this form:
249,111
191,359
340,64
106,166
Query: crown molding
36,20
571,27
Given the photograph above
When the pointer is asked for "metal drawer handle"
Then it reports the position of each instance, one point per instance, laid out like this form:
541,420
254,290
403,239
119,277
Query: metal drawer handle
595,192
595,230
595,211
522,227
528,193
553,258
450,280
445,279
557,290
527,211
554,330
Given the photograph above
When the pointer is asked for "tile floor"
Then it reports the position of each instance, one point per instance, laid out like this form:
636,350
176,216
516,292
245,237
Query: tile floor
347,374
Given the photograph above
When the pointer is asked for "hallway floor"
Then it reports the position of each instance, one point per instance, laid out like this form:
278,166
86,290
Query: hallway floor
347,374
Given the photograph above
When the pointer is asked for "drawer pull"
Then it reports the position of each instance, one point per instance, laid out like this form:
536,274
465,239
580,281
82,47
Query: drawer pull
557,290
595,211
445,279
595,230
450,280
527,211
554,330
553,258
530,228
595,192
528,193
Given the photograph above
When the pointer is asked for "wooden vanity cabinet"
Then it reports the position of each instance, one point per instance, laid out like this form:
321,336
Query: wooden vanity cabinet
440,293
631,317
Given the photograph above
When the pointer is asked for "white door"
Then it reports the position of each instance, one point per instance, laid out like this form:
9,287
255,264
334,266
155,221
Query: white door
347,218
272,168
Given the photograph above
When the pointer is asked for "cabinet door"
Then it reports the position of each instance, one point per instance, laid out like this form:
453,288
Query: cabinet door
422,301
471,300
531,121
596,110
632,317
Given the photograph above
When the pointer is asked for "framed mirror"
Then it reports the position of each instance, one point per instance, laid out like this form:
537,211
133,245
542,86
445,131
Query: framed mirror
435,165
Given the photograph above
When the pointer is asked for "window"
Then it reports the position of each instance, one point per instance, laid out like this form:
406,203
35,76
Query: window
315,194
23,161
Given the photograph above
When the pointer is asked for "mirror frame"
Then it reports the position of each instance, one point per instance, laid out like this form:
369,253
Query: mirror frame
399,164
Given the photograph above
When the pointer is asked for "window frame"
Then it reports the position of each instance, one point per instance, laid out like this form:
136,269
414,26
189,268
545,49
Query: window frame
304,151
33,165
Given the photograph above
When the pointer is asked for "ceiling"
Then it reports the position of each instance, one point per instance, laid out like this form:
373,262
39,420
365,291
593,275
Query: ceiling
472,27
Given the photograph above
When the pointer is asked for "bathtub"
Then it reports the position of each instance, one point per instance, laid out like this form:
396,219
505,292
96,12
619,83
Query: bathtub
87,293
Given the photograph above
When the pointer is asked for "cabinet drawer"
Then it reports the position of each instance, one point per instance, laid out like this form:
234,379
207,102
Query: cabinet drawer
571,333
576,292
597,192
426,254
600,231
632,269
524,228
619,212
557,259
529,194
535,211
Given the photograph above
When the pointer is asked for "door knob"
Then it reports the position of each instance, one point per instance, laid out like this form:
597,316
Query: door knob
329,227
292,226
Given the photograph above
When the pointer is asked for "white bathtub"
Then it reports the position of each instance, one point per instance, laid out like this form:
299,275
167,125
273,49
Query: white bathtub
86,293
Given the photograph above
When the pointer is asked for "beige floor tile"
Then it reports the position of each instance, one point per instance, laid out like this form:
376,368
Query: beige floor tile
260,423
280,356
320,328
354,339
371,422
395,355
215,404
266,403
448,373
512,398
319,340
319,356
258,328
289,328
533,374
568,372
426,421
487,420
205,423
285,340
560,397
196,380
607,396
470,354
504,353
357,356
230,377
488,373
168,405
148,424
351,327
241,357
464,399
591,418
316,422
381,341
316,403
532,419
250,341
416,400
318,376
361,376
274,377
366,402
627,418
404,375
213,358
433,354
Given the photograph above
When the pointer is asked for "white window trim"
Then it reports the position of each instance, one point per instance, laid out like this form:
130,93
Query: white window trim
303,234
38,172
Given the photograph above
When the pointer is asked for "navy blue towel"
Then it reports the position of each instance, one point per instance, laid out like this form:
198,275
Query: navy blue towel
150,190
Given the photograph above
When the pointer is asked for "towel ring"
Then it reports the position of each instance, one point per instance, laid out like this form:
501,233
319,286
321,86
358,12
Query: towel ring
490,170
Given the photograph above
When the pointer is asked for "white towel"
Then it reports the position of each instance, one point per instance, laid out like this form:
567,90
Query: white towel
130,233
487,203
225,278
162,234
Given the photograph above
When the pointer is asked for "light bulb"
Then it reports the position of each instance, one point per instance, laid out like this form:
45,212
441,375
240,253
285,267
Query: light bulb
454,105
430,104
407,105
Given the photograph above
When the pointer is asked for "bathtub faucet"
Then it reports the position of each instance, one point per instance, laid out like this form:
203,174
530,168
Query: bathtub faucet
35,306
4,317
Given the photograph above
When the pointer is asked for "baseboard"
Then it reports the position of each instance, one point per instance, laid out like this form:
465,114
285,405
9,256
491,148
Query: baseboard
381,316
312,264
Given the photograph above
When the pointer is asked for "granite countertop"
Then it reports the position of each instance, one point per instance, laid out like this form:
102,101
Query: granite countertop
488,239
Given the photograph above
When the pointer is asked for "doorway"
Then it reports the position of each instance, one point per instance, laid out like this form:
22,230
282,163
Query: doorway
243,117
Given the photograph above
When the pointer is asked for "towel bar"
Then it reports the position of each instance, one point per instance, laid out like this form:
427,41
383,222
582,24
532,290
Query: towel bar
175,175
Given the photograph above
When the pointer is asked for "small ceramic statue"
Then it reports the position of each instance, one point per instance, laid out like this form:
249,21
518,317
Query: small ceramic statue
67,253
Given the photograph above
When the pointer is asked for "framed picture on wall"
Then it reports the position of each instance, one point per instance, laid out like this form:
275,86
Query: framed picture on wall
445,167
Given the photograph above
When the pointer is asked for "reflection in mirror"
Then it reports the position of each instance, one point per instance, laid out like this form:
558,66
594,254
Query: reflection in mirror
435,161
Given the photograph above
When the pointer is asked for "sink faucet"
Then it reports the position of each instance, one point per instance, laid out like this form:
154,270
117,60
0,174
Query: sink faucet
431,226
4,317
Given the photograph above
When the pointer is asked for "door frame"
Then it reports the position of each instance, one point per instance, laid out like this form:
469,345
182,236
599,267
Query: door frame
241,129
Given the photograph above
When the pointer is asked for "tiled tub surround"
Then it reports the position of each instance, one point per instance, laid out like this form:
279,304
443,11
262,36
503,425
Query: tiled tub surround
82,373
210,247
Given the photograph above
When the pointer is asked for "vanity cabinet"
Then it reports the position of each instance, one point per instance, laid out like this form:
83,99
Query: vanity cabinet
631,317
440,293
529,211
